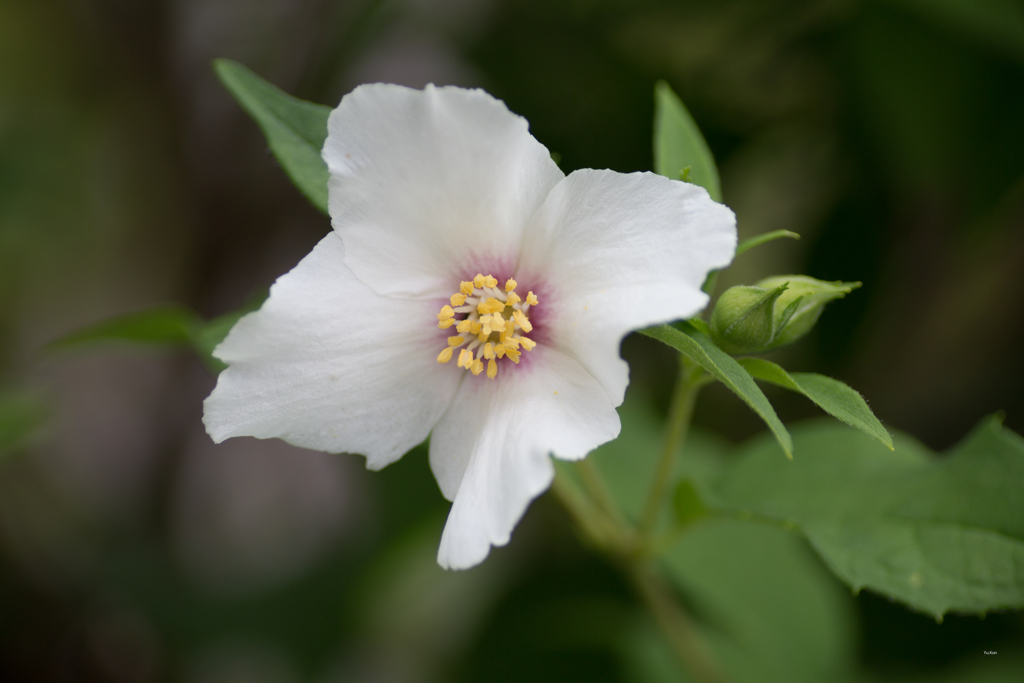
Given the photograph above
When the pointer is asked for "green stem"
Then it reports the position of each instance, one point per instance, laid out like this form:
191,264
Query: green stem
679,413
689,648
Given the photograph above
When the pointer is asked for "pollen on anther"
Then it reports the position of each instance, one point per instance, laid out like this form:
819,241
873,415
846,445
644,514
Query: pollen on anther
477,367
465,358
446,323
527,343
457,340
492,369
446,312
490,281
458,299
510,285
489,351
478,281
445,355
466,288
531,299
523,321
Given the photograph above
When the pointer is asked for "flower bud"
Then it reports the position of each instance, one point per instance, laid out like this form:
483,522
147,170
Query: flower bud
799,308
744,319
774,312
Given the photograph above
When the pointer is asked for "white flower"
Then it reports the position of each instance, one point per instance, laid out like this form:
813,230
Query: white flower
455,231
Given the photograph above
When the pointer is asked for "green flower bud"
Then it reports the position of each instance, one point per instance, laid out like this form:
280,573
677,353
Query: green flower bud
774,312
799,308
744,318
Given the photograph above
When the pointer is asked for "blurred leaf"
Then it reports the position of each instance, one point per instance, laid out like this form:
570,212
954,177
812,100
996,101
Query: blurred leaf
696,345
936,534
165,325
678,143
208,335
627,464
832,396
758,240
767,607
687,503
22,414
295,129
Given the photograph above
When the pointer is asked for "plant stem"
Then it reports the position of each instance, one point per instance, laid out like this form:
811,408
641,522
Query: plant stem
684,396
689,649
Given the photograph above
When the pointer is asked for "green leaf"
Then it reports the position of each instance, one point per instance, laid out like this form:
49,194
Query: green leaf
831,395
687,503
295,129
22,415
211,333
678,143
758,240
698,346
770,610
937,534
164,325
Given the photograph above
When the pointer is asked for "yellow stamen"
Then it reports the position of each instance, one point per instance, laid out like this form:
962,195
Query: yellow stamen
478,281
445,355
457,340
499,350
491,305
510,284
492,369
511,343
474,328
446,312
527,343
489,351
464,325
477,367
531,299
490,281
465,358
523,321
446,323
466,288
458,299
513,299
512,354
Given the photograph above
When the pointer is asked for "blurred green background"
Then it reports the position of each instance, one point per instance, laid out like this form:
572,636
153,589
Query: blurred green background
888,133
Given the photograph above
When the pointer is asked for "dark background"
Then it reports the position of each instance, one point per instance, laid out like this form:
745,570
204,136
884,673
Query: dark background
887,133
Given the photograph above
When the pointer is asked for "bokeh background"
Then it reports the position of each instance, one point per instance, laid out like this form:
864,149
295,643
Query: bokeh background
887,133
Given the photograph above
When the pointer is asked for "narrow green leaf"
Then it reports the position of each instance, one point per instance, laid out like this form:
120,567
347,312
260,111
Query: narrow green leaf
835,398
758,240
698,346
163,325
22,415
678,143
295,129
938,534
211,333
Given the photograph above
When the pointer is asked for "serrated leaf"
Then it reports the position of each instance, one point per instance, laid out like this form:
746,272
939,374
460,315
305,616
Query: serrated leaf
22,414
699,347
937,534
295,129
162,325
770,611
835,398
678,143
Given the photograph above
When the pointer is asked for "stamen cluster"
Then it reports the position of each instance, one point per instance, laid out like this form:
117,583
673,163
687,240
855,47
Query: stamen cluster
490,320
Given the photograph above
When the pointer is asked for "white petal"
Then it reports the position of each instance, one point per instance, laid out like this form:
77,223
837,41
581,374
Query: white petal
491,450
329,365
431,186
608,253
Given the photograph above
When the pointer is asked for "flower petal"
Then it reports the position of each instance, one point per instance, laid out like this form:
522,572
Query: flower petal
612,253
429,186
329,365
490,452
